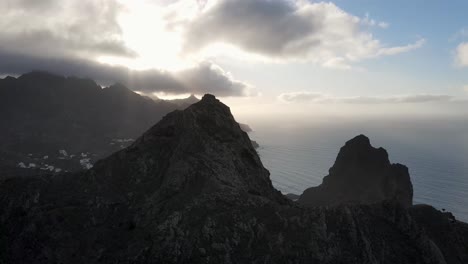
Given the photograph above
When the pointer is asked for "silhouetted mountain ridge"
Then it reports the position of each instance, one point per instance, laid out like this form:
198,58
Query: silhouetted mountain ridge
186,101
192,189
42,113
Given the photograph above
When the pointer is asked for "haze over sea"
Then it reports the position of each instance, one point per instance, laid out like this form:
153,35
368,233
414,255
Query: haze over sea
435,151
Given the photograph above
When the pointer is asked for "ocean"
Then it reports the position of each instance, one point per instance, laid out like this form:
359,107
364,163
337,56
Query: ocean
298,156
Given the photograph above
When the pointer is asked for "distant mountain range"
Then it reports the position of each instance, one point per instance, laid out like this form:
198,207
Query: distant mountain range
57,123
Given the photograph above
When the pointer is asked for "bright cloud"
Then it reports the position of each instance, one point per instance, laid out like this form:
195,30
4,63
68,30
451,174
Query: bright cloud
461,55
396,50
372,22
319,32
110,41
164,46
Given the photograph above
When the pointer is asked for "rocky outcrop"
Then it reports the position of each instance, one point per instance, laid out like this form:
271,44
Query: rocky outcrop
245,127
361,174
450,235
200,150
292,196
193,190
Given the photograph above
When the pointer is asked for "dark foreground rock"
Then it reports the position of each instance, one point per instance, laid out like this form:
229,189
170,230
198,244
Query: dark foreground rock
293,196
192,189
361,174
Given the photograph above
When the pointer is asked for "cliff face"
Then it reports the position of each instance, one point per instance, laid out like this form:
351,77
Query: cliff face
361,174
198,151
193,190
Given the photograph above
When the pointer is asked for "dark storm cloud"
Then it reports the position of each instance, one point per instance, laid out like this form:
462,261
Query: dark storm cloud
65,28
271,28
204,78
45,42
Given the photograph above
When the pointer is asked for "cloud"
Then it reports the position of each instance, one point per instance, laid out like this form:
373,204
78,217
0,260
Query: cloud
300,97
62,28
287,30
372,22
318,98
206,77
397,50
461,54
267,27
461,34
69,37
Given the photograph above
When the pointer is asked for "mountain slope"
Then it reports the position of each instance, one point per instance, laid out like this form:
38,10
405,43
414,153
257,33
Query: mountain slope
193,190
42,114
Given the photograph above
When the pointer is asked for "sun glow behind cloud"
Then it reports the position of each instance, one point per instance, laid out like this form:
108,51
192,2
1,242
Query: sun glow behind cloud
231,48
145,30
155,31
176,35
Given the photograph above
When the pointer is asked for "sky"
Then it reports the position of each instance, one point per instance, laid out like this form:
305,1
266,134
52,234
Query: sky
260,56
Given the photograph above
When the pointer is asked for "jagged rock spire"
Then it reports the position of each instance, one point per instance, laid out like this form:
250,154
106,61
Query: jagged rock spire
361,174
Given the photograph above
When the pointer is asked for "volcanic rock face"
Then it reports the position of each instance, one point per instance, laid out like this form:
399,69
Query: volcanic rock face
193,190
200,150
361,174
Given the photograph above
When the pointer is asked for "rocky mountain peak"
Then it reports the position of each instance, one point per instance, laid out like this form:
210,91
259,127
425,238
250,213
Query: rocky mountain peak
209,98
38,75
118,88
361,174
197,151
359,140
9,78
193,190
358,152
41,80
